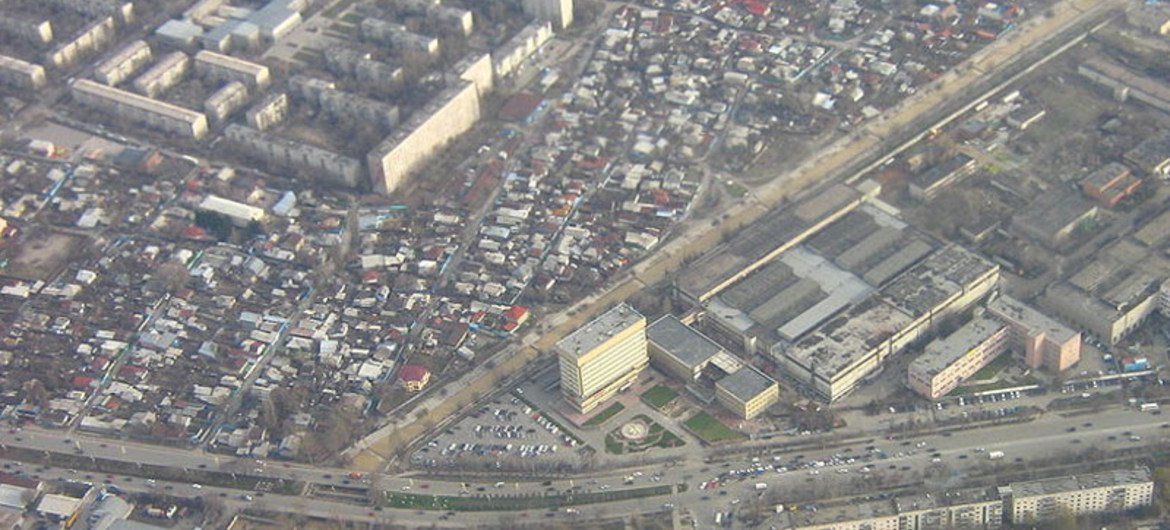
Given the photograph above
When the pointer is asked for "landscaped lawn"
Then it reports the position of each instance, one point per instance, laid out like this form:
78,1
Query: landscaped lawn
659,396
656,436
604,415
710,429
994,367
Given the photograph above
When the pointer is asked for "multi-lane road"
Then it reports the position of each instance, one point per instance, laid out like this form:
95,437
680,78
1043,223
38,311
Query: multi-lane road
905,461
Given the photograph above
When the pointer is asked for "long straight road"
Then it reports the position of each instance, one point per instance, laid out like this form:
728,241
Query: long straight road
908,461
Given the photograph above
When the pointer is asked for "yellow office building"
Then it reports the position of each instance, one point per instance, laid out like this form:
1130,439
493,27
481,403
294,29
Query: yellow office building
601,358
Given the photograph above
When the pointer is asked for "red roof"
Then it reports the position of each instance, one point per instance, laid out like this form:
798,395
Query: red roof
83,381
413,372
519,107
516,312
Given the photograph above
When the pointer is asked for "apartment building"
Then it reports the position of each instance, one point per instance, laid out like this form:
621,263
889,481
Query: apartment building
225,68
21,74
599,359
163,75
123,64
270,111
153,113
1107,492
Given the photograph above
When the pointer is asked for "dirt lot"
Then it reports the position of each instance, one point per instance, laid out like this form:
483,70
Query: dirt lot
41,256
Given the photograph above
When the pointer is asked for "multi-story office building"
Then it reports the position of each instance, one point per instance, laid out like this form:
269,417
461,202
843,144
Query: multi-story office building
747,392
949,361
1108,492
1043,341
599,359
157,114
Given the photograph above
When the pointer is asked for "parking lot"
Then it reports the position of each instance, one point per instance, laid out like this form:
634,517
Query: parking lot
507,431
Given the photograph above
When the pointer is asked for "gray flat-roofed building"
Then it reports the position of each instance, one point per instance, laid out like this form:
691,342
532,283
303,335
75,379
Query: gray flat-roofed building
947,362
927,184
878,241
905,256
835,357
1052,217
180,33
328,166
678,349
763,239
747,392
399,36
1106,492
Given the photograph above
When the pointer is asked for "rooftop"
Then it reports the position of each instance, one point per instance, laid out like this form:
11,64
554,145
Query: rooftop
1020,313
939,277
1051,213
764,235
600,329
941,353
682,341
848,337
745,383
1121,477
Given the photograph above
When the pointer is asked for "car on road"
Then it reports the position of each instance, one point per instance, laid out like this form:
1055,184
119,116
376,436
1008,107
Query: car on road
197,486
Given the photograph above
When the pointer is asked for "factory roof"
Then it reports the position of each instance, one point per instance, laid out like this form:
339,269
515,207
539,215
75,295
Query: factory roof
746,383
849,337
681,341
600,329
942,275
1052,213
783,226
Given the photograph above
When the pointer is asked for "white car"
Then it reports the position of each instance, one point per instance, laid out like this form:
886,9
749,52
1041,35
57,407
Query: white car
197,486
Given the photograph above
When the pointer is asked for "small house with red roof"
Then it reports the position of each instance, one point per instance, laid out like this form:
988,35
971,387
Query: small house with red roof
414,377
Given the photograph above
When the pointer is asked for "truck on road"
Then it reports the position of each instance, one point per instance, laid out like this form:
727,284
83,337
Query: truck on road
994,455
